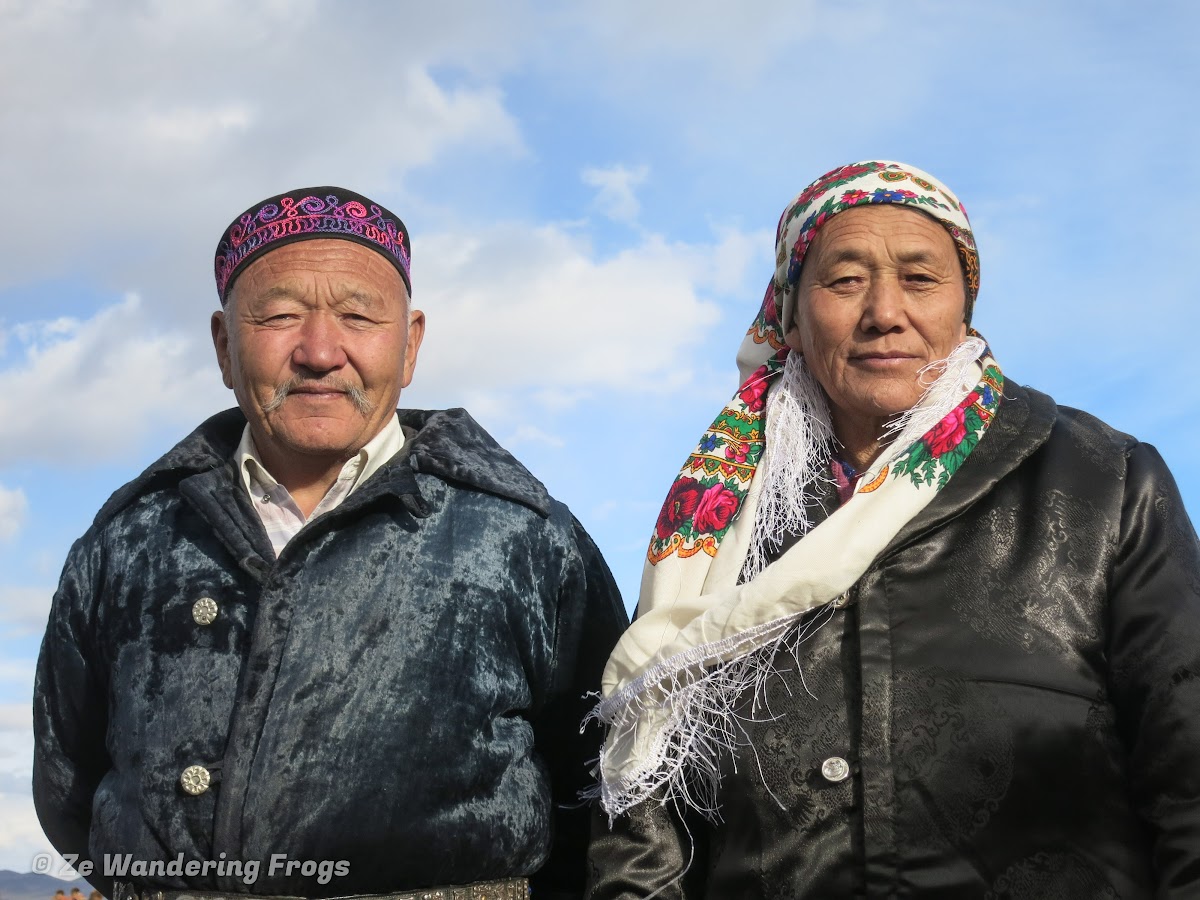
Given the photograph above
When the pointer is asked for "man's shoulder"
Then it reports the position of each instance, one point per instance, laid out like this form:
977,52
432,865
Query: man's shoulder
210,445
450,445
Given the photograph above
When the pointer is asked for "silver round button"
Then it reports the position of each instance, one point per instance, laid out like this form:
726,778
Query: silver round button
835,769
841,601
204,611
195,780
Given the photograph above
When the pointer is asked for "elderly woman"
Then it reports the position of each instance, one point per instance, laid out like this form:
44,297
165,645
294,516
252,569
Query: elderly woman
907,628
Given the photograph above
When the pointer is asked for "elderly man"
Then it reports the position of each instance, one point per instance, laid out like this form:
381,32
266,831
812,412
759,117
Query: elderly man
324,647
907,629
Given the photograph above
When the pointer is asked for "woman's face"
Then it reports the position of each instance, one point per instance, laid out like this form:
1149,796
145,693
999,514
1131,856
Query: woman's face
881,295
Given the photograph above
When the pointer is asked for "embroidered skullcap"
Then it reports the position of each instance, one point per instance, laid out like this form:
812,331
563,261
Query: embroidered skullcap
308,214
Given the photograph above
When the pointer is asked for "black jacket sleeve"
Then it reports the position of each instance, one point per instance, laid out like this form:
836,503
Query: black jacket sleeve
1155,666
591,617
70,713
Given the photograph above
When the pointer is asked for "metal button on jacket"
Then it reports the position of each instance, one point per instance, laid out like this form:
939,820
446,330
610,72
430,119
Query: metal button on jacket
195,780
204,611
835,769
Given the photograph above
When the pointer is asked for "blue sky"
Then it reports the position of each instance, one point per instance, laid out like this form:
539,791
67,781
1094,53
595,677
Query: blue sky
591,190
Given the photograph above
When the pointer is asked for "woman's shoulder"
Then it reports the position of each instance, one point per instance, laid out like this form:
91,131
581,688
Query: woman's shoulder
1077,431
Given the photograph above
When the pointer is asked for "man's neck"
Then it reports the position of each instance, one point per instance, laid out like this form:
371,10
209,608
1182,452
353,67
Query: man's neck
307,478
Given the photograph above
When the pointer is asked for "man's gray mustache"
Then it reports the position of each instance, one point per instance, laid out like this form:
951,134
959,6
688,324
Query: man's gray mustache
356,395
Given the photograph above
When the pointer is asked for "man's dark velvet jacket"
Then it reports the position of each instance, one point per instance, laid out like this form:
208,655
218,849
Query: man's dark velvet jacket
401,689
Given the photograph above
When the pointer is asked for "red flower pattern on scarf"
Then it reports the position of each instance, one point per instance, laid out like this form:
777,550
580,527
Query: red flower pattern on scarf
949,433
681,502
715,510
754,392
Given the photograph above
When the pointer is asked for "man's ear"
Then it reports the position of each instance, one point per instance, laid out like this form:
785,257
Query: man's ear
416,333
220,336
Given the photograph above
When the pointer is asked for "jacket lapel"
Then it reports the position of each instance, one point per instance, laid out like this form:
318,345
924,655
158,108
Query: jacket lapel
1023,423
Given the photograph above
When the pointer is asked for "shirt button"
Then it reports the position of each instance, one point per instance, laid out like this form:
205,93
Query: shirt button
835,769
204,611
195,780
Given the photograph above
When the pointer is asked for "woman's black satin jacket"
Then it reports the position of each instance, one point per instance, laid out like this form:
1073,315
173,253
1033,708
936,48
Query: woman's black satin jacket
1014,689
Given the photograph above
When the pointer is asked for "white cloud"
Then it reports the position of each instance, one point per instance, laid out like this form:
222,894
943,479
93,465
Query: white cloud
632,35
15,719
615,197
87,390
23,612
738,254
530,434
139,127
17,676
555,399
195,126
13,507
520,307
20,833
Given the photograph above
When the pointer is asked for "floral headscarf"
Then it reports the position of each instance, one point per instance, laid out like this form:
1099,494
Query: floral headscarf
710,490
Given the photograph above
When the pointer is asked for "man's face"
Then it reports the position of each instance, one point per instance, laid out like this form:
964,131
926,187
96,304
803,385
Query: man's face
316,343
881,294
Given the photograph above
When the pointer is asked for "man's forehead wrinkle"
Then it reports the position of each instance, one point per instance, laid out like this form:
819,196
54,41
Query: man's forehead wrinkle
340,293
279,290
256,299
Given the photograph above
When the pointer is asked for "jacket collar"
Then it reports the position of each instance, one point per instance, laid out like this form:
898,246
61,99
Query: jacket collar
446,444
1023,423
452,446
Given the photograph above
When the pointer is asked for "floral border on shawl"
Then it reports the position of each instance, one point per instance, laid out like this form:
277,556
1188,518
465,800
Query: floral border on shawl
943,449
765,327
710,490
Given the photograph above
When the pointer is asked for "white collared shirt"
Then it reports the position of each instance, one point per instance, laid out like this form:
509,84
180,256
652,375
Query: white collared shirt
280,514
